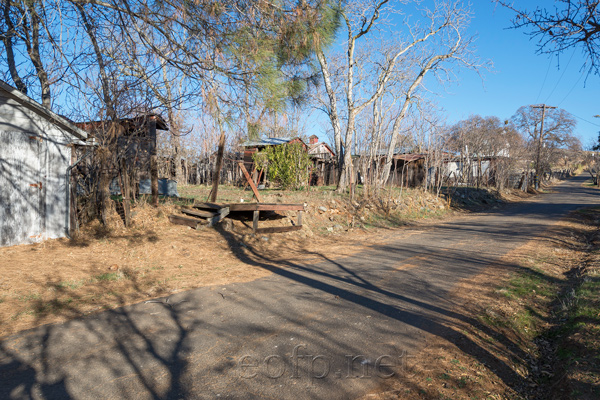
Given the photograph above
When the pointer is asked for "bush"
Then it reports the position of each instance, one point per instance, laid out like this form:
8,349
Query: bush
287,165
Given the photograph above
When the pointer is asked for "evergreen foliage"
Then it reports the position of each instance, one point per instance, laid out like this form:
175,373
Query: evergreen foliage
287,165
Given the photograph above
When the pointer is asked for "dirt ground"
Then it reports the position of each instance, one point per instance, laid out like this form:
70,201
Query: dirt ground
101,269
62,279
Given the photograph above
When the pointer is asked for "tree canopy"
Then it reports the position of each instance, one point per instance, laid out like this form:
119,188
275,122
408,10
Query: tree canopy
200,52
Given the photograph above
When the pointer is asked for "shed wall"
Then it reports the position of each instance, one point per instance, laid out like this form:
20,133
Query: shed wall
34,157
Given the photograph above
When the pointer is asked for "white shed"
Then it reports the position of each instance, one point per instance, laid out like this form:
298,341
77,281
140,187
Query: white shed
35,155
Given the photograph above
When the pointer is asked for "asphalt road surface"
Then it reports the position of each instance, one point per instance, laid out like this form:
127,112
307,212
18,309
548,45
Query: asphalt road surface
336,329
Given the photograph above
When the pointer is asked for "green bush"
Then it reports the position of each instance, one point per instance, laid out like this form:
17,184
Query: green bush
287,165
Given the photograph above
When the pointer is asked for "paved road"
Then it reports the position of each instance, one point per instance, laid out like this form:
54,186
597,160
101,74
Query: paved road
335,329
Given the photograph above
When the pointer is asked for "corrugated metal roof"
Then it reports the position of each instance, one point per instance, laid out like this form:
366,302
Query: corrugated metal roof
266,142
409,157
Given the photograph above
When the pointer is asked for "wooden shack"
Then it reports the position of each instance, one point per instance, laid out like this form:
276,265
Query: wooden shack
323,163
135,141
408,170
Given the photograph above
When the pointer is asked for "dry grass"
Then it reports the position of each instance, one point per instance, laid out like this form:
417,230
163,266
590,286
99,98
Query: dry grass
105,268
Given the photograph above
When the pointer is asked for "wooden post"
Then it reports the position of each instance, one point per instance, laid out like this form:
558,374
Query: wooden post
153,160
124,181
255,220
218,166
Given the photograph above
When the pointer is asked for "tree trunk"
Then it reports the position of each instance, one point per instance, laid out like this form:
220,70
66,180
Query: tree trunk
104,189
7,37
217,173
33,50
153,160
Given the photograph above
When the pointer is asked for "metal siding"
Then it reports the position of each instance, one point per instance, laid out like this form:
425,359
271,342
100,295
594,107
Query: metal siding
28,214
58,159
20,203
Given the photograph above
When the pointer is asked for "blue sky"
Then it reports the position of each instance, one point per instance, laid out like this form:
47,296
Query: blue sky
520,76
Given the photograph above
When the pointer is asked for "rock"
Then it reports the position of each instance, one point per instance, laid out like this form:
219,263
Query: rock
322,209
362,218
227,225
338,227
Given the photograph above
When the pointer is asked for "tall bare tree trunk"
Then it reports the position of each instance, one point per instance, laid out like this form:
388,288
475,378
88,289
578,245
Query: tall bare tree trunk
7,38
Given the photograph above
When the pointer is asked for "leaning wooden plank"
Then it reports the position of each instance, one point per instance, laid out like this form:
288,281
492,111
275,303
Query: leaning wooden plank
208,206
278,229
250,181
265,207
199,213
187,221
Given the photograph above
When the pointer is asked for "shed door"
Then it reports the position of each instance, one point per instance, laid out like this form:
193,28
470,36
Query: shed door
20,188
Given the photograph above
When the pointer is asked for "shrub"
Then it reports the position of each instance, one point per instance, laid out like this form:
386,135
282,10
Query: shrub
287,165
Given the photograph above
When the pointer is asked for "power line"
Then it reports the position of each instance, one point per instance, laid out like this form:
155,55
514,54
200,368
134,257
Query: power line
583,119
563,74
545,77
573,88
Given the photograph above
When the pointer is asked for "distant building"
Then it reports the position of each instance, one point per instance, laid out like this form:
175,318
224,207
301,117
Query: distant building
324,161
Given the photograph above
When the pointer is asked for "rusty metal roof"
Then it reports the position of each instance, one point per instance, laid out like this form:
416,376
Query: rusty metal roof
409,157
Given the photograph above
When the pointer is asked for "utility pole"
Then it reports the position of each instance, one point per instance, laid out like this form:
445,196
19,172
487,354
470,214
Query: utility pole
539,150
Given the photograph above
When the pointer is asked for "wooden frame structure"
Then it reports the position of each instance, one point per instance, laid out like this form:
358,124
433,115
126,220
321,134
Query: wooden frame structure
256,208
213,213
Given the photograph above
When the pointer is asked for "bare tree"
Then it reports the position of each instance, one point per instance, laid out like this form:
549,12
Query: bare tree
486,138
8,34
558,133
24,26
417,50
568,23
